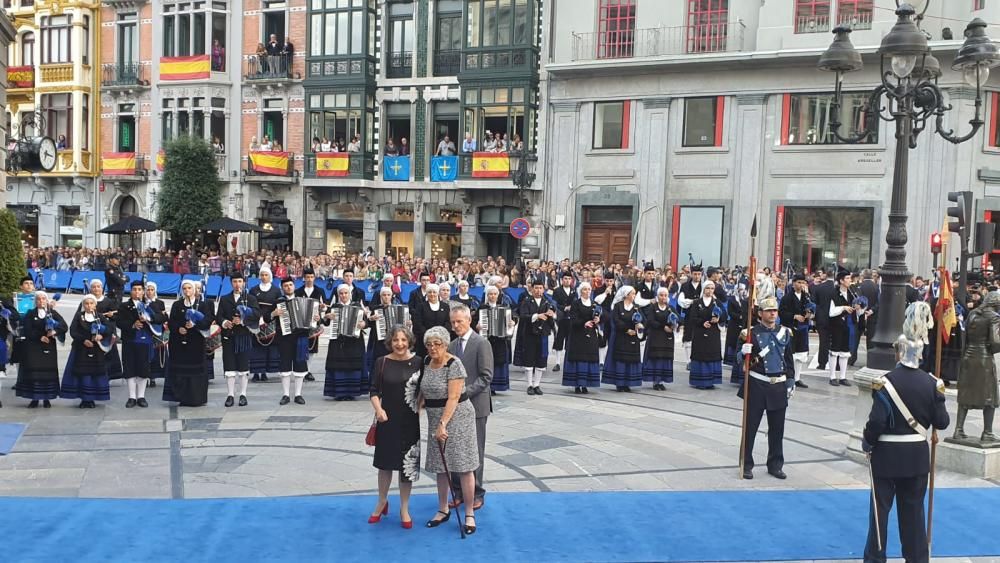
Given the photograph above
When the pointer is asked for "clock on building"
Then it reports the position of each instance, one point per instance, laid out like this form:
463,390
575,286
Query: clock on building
35,154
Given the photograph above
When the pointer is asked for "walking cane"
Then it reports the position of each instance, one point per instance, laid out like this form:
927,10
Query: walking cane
871,477
451,486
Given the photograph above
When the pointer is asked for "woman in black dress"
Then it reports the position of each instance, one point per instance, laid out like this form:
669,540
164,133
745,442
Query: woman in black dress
430,313
623,364
583,355
706,339
187,380
658,363
345,356
160,353
397,436
39,357
86,376
107,308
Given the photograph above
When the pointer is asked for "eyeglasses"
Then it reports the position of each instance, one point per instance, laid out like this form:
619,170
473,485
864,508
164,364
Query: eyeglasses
434,344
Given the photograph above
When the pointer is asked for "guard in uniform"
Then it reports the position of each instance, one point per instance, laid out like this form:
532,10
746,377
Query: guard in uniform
564,296
906,403
238,311
771,384
115,279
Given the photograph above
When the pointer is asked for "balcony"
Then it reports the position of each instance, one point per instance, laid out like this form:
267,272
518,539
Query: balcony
400,65
61,72
447,63
326,165
354,67
484,166
857,20
123,75
499,60
270,167
124,166
268,68
814,24
21,76
659,41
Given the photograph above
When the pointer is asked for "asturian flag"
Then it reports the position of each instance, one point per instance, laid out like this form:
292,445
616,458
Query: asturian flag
396,168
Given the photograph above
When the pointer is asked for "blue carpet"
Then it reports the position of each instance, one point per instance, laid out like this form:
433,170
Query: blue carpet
535,527
9,433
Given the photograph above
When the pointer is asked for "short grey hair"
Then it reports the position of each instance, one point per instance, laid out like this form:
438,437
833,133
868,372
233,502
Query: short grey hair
438,333
459,307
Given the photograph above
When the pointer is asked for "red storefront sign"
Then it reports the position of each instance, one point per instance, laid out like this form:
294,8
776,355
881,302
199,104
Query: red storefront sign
779,236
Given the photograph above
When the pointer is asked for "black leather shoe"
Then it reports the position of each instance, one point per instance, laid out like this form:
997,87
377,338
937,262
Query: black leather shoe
556,368
493,393
91,405
538,391
577,390
152,383
263,378
142,402
256,377
284,400
230,401
83,404
777,474
243,400
299,400
33,405
130,403
434,522
834,382
821,368
628,389
46,404
531,390
747,474
801,385
584,390
845,383
310,377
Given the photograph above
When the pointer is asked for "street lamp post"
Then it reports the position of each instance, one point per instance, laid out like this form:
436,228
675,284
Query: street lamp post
912,100
522,174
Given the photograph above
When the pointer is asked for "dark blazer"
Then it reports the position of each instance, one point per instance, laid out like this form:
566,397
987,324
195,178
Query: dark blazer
478,362
823,295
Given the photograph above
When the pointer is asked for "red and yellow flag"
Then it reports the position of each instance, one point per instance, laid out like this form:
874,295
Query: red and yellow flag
185,68
118,163
268,162
947,318
332,164
490,165
161,160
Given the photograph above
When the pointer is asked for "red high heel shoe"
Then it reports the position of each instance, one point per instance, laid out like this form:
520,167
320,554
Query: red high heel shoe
378,517
406,524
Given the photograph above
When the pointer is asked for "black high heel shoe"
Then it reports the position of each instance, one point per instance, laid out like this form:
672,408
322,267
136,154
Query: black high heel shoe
469,530
433,523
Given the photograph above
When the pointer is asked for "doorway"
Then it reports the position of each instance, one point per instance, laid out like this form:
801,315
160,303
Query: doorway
606,234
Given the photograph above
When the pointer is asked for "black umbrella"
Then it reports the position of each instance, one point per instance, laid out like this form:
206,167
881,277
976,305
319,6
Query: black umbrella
227,225
129,225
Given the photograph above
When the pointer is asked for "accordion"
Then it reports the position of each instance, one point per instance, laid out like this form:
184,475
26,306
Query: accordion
391,317
345,321
299,313
494,321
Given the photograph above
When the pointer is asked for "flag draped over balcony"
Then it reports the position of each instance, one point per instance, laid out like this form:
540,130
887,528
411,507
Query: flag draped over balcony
118,163
185,68
161,160
396,168
490,165
444,168
332,164
269,162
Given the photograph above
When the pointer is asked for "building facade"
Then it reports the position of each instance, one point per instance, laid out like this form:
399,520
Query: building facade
6,38
673,123
53,74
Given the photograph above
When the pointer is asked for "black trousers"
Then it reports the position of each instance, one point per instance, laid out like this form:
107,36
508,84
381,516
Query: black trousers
561,334
909,492
824,346
775,435
233,361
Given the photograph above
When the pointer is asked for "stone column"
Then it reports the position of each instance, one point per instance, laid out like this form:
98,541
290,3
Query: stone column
562,169
748,179
369,232
652,139
418,226
469,230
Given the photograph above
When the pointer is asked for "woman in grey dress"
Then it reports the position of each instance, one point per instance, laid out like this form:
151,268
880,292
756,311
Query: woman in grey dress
451,421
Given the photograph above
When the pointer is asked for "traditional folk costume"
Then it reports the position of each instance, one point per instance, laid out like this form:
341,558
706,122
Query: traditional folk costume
500,345
564,296
237,339
107,308
293,353
658,362
376,347
706,343
534,327
85,376
187,378
38,375
840,333
10,319
161,336
345,358
583,356
738,312
264,357
796,303
137,348
690,292
623,363
427,315
312,292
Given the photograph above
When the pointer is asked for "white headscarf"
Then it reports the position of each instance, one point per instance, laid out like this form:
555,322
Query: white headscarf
622,292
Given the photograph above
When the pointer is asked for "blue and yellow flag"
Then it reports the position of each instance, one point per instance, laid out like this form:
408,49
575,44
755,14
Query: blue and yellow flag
444,168
396,168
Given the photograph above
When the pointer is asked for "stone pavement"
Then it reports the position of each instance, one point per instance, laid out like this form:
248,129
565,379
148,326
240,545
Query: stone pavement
682,439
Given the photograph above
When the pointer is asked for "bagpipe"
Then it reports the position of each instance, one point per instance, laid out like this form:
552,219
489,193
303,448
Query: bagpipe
638,319
544,327
51,325
244,313
810,314
146,314
97,328
673,319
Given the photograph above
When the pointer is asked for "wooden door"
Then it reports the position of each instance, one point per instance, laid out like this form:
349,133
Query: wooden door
608,243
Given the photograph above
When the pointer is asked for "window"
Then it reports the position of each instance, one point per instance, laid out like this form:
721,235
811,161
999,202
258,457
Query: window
448,38
401,40
812,16
508,111
28,49
58,109
978,4
856,13
806,118
699,234
494,23
339,117
86,122
128,40
190,27
86,39
611,125
708,26
126,133
703,119
338,27
616,29
56,39
816,236
994,138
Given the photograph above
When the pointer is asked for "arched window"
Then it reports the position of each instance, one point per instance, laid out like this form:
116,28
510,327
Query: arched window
28,49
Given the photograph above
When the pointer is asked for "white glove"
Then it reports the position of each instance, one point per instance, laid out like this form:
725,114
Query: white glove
791,391
747,349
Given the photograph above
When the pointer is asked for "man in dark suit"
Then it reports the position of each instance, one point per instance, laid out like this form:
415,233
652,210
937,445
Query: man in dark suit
823,295
869,290
907,403
114,279
477,357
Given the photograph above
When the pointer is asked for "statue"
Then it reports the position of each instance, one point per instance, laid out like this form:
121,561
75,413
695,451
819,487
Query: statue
977,388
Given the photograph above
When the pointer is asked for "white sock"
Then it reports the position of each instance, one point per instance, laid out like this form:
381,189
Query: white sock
286,377
539,372
559,357
687,350
529,374
299,379
131,388
833,368
231,382
798,370
843,369
244,378
140,384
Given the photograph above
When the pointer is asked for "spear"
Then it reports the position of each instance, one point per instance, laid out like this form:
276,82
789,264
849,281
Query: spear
752,280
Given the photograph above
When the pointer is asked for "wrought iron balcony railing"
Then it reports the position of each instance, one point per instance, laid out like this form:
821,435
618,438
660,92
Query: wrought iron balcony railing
659,41
123,74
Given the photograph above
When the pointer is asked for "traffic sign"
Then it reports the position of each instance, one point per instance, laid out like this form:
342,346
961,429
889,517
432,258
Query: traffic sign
519,228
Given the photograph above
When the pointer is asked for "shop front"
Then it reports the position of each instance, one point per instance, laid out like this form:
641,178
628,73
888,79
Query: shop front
815,237
344,228
27,222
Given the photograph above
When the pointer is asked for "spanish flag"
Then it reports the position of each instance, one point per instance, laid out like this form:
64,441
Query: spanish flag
118,163
161,160
490,165
332,163
267,162
185,68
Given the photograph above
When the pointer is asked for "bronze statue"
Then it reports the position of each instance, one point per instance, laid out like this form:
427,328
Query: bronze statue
977,385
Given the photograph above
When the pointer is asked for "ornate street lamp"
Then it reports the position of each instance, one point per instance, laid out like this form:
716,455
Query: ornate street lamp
908,96
522,174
